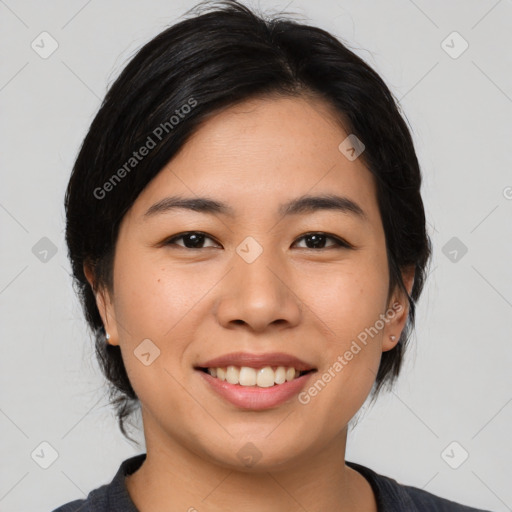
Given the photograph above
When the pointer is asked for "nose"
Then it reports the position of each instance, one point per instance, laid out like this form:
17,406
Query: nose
258,295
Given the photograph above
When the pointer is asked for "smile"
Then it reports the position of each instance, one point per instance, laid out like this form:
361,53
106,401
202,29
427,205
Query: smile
265,377
251,396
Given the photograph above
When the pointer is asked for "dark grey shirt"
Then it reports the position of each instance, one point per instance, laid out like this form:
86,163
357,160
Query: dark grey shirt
391,496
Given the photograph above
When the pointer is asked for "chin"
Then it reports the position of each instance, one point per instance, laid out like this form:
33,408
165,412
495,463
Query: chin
257,454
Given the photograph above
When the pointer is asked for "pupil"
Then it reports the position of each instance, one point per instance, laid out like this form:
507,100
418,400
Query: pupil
317,240
196,239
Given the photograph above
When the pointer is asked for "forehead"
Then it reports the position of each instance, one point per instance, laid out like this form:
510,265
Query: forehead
264,153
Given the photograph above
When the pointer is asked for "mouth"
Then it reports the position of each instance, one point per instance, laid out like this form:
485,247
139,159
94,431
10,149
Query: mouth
255,381
261,377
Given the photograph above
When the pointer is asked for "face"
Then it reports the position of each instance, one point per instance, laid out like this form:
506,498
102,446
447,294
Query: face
257,282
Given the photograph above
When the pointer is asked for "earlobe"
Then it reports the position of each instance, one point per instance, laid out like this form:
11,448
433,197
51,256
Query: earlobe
398,312
104,305
397,316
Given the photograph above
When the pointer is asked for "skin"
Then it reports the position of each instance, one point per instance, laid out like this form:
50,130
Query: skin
196,304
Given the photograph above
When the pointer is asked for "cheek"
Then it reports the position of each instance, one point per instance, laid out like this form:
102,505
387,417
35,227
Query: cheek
347,307
152,298
346,299
165,304
155,303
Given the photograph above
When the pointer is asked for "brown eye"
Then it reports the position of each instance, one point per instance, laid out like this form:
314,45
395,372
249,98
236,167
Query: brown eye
315,240
191,240
318,241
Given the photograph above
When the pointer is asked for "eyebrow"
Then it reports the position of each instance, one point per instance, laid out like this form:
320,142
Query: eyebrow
299,206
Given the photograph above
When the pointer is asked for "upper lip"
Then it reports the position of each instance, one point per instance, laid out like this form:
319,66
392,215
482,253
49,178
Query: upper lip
257,361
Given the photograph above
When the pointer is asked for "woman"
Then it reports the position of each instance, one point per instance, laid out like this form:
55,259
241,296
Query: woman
247,234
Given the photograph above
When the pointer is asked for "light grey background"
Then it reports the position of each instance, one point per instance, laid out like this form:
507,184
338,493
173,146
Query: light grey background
456,384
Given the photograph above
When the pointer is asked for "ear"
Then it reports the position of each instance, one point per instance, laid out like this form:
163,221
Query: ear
397,311
104,305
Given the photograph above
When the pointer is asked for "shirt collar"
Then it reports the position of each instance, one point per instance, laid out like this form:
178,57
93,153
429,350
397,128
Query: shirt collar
118,497
390,496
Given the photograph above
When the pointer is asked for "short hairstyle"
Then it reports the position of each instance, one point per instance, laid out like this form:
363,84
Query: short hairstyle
222,56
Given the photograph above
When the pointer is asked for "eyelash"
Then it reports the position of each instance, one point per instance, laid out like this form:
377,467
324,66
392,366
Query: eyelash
339,242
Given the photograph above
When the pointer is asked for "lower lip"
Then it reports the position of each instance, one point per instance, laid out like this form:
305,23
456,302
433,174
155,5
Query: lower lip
253,397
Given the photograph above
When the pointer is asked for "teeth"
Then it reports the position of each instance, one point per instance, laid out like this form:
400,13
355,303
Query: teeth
263,378
247,376
232,374
280,375
290,374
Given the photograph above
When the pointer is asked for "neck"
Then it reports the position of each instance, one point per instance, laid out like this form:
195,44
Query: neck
174,478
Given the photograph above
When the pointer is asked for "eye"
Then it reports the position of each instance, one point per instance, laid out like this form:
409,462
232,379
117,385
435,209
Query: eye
318,239
196,239
192,240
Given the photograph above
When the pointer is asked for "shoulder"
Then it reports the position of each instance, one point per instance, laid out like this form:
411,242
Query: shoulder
96,501
395,497
112,497
422,499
